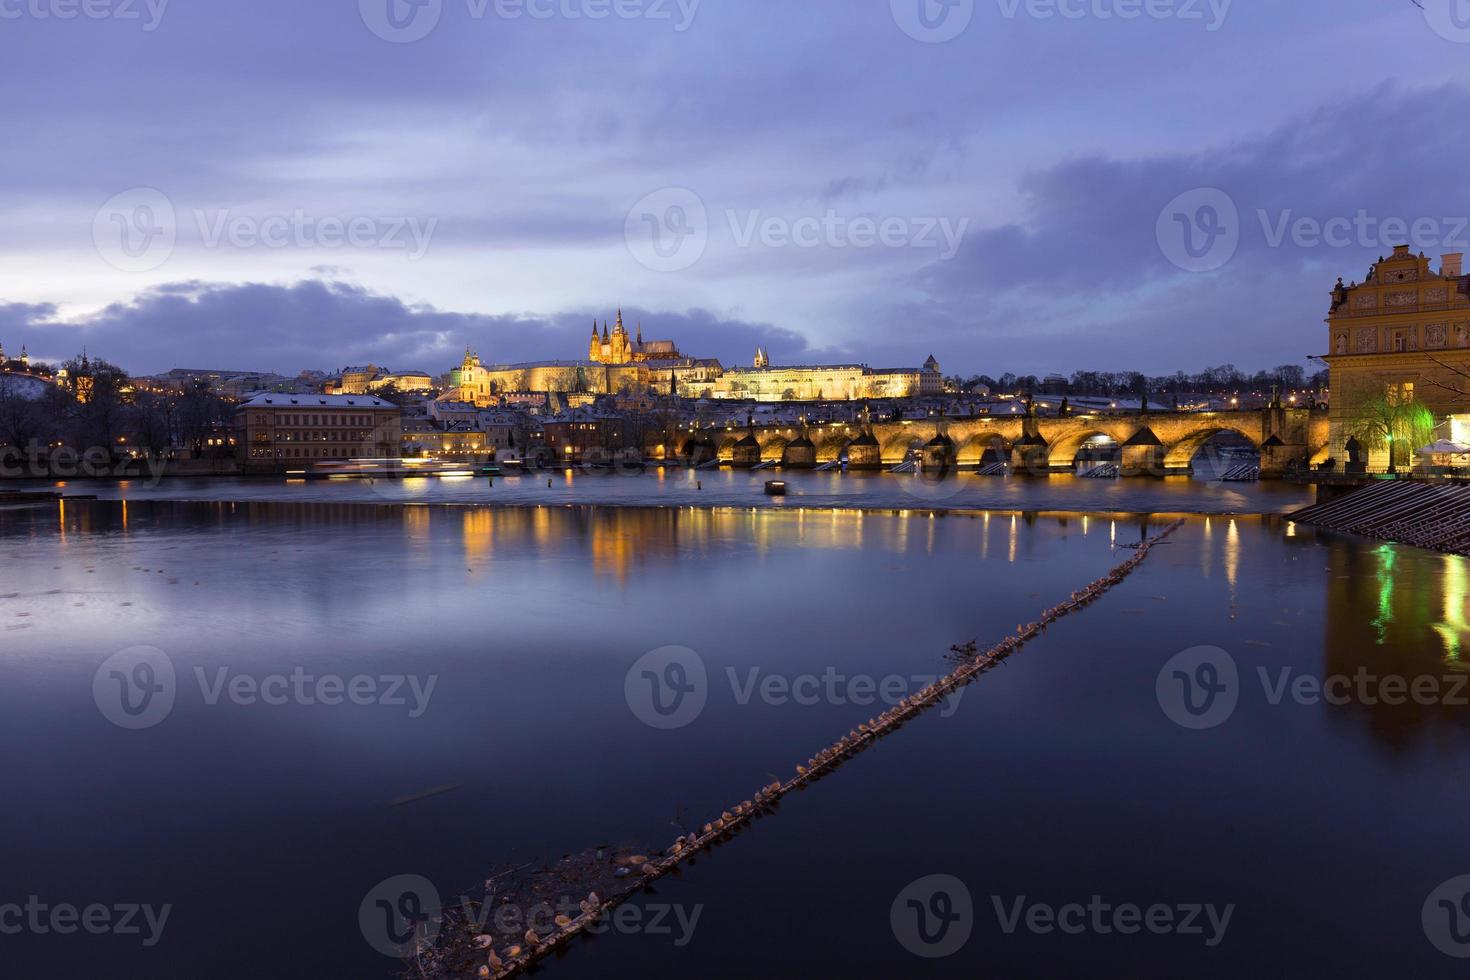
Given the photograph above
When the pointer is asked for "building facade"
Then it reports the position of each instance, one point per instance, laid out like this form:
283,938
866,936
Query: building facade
1403,332
272,430
826,382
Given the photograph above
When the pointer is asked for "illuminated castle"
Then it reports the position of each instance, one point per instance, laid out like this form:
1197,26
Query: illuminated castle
618,348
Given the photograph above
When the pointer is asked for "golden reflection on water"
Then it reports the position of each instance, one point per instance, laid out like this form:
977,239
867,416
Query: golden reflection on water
1232,557
1454,628
479,533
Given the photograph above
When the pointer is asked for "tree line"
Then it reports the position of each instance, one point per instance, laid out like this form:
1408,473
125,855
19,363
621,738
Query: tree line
1225,379
97,406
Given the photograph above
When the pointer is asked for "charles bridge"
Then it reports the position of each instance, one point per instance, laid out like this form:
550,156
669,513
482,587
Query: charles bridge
1155,442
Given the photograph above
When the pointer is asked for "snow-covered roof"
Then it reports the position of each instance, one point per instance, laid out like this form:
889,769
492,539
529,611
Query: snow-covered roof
272,400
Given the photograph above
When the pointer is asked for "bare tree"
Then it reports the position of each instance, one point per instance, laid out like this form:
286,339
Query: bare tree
23,419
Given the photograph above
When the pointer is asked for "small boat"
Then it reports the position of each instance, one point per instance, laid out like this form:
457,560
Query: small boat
775,488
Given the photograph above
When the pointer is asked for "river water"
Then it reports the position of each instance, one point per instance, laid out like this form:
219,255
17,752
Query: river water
735,488
517,732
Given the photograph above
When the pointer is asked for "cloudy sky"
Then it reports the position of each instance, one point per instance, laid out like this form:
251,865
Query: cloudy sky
1026,185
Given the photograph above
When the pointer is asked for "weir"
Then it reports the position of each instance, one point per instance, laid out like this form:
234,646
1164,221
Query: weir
516,959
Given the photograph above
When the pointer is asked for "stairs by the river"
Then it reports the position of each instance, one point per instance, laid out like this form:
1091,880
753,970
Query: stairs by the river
1101,471
1244,473
1426,515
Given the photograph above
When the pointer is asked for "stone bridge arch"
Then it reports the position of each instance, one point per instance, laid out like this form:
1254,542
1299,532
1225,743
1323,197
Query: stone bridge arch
897,445
1179,454
971,448
1062,452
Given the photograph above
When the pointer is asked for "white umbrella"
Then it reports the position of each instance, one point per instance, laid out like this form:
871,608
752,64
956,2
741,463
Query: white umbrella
1445,448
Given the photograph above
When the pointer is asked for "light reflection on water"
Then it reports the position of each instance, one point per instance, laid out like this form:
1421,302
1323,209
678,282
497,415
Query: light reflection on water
736,488
1055,774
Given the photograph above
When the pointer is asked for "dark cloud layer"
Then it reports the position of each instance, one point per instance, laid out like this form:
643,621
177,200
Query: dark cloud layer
327,324
1083,280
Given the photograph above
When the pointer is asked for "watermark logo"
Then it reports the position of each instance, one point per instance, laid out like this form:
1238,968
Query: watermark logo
1450,19
933,917
1446,917
668,230
148,12
400,916
667,688
932,21
135,688
135,231
401,21
1199,231
1199,688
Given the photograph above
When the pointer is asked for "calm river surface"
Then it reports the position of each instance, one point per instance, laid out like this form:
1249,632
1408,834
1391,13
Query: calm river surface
736,488
1056,778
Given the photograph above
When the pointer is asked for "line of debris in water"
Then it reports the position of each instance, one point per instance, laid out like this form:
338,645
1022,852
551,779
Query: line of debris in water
514,959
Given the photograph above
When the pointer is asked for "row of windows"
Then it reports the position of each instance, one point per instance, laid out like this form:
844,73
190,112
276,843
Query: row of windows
314,419
296,452
321,436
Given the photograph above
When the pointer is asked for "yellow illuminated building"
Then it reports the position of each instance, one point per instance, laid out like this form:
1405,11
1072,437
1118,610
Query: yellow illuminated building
1404,332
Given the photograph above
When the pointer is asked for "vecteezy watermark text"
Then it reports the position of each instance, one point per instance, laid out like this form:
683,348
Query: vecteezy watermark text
669,230
300,229
36,462
1104,918
136,688
407,21
833,687
834,230
1211,13
668,688
40,918
148,12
